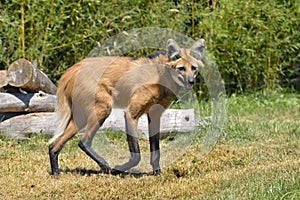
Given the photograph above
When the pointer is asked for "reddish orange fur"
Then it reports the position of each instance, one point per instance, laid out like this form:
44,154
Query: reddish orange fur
88,90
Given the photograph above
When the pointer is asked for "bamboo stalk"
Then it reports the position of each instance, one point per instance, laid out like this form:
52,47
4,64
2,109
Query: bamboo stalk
23,29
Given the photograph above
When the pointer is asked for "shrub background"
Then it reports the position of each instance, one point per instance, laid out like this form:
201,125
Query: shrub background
256,44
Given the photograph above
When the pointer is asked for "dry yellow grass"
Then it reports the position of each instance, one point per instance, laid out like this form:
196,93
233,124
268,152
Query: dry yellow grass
235,170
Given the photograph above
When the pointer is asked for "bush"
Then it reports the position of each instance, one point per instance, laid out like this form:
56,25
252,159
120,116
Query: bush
253,42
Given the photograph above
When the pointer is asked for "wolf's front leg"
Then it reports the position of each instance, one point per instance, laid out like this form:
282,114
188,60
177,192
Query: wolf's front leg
155,154
154,128
132,140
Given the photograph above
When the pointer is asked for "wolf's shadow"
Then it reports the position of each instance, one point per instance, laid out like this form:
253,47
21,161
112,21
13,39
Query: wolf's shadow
89,172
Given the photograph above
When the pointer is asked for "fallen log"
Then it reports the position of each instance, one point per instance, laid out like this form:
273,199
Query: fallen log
31,102
20,126
172,120
26,75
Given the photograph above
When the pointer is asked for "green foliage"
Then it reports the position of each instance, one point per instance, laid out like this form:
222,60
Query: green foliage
254,43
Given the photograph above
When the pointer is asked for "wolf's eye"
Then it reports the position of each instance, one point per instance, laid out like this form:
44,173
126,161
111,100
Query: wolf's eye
181,68
194,68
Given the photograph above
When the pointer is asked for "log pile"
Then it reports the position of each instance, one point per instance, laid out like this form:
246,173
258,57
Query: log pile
27,99
27,103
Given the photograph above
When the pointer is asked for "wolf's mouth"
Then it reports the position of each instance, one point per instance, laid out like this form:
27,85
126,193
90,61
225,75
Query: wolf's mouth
188,86
185,83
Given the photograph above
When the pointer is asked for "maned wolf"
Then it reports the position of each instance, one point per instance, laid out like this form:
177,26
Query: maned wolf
88,90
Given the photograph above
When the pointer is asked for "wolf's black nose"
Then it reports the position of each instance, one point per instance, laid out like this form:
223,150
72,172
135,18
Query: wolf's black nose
191,81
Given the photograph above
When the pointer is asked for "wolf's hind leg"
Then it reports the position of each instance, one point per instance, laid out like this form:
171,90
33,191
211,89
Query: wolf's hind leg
85,142
58,144
97,115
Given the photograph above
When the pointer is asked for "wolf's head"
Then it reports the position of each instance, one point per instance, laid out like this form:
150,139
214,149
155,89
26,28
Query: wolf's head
186,62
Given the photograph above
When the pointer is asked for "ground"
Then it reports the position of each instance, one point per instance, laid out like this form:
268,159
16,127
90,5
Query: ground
257,157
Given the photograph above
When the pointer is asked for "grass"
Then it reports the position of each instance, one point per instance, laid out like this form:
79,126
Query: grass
258,157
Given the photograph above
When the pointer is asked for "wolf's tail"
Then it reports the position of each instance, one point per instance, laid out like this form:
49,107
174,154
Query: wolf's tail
62,114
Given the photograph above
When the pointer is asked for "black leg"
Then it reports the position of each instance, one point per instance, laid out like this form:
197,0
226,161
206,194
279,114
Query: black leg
85,143
56,146
154,128
53,161
132,140
135,156
98,159
155,153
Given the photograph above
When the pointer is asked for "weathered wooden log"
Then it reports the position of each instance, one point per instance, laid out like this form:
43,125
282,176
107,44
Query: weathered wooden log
172,120
20,126
3,78
31,102
27,76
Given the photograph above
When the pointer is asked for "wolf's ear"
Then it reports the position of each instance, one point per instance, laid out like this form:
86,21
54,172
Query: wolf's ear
197,50
173,49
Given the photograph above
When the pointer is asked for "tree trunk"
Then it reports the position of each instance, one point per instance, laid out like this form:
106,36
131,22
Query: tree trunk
27,76
21,126
31,102
172,120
